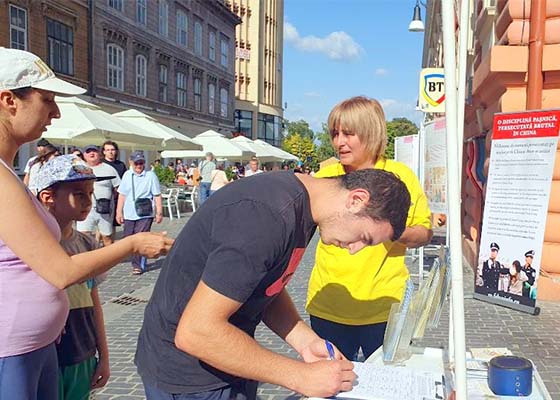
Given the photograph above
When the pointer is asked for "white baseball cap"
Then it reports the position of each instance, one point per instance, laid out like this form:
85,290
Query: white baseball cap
20,69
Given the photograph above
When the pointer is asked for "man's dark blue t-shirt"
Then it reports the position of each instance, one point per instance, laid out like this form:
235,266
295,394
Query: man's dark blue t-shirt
245,242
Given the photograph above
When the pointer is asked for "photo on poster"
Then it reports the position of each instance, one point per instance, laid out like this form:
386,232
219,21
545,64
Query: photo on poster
508,272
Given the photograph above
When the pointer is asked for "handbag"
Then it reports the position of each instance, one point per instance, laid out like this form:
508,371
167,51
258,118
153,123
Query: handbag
102,206
143,206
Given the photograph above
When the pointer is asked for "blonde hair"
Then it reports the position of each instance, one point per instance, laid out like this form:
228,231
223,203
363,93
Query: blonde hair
363,117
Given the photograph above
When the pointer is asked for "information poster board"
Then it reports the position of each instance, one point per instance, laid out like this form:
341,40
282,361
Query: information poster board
516,205
406,151
435,165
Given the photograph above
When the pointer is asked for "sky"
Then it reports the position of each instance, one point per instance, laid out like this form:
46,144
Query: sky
336,49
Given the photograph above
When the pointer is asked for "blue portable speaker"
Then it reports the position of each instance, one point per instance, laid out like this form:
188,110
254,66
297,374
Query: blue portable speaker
510,376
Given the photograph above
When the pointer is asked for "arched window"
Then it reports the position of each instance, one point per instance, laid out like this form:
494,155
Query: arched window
141,67
223,103
211,98
182,28
181,89
163,83
197,94
115,67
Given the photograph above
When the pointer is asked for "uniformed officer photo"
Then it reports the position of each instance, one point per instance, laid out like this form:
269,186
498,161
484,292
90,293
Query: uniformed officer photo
491,269
530,272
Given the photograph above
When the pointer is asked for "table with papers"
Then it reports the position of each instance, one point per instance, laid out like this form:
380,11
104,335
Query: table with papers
426,375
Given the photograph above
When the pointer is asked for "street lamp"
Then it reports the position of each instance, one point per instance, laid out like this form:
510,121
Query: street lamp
416,25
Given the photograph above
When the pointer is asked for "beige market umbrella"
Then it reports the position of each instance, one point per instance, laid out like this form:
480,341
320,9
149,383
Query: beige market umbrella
170,139
82,123
264,153
216,143
284,155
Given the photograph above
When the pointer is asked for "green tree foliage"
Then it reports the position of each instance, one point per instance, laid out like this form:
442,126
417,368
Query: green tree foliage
164,174
325,149
302,147
396,128
301,127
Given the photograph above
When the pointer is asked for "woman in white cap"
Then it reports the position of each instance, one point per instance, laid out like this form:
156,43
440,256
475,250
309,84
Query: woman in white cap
33,267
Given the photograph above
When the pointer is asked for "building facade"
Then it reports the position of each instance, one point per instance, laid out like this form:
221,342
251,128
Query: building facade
56,31
172,59
498,81
258,68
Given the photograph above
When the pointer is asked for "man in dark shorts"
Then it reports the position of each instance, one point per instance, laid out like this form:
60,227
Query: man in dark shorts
227,272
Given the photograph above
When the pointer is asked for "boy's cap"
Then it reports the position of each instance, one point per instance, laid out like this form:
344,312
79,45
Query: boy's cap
43,142
20,69
67,168
91,147
494,246
137,156
530,253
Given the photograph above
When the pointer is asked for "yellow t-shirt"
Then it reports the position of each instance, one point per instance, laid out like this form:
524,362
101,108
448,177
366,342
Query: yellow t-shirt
359,289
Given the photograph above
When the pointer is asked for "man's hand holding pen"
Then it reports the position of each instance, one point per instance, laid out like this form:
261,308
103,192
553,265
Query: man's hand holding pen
326,372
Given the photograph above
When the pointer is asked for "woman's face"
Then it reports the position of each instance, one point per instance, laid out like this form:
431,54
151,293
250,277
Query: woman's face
351,151
33,114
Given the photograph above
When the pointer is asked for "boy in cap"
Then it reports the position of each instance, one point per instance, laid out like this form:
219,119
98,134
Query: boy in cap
530,272
65,187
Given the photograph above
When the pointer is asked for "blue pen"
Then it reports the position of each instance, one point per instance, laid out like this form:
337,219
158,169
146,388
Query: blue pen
330,349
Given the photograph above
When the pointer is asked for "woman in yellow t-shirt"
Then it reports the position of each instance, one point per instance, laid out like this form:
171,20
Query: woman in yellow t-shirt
349,296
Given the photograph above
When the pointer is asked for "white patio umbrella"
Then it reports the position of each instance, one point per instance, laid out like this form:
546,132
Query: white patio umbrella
171,139
190,154
216,143
284,155
264,153
82,123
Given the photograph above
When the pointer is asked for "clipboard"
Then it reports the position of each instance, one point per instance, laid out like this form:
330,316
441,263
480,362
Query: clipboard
394,383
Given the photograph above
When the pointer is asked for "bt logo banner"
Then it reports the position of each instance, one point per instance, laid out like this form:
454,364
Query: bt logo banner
431,98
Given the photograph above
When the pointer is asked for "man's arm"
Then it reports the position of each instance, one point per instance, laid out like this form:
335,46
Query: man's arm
119,211
204,332
159,208
416,236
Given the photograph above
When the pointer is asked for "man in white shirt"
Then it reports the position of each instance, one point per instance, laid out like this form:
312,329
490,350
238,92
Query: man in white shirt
100,218
253,167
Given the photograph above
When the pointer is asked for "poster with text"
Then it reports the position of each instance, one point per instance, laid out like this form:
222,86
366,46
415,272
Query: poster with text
435,165
406,151
516,205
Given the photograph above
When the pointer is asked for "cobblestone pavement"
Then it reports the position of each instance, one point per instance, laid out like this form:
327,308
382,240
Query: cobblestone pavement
124,296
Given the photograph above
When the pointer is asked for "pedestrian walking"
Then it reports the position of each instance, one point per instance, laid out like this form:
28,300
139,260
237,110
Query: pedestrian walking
100,218
205,168
139,202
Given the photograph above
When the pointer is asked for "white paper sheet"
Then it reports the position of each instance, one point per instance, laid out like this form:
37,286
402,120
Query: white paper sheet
393,383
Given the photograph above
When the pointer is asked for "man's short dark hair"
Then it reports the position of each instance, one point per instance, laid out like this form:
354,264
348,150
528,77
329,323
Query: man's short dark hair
389,199
42,142
110,143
